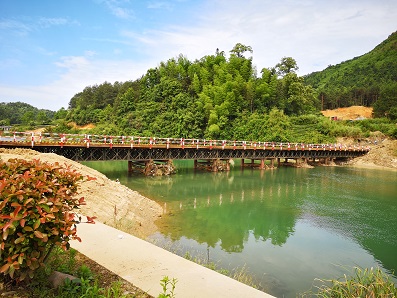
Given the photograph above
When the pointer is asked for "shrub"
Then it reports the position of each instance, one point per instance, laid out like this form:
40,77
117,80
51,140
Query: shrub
36,202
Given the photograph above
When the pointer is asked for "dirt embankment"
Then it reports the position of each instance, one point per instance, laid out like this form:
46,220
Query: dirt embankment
112,203
383,154
349,113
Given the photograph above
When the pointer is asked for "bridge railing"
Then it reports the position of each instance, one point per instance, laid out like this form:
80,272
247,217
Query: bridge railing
153,142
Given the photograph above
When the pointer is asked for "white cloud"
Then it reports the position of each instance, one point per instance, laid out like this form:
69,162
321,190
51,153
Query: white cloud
117,9
160,5
18,27
315,33
9,63
48,22
77,72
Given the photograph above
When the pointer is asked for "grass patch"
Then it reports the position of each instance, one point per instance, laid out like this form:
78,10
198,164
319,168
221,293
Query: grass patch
369,283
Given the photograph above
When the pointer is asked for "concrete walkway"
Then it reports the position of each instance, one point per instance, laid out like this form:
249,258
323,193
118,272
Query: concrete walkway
144,265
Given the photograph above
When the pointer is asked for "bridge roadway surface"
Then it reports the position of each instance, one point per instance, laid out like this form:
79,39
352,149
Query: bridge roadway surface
83,148
144,265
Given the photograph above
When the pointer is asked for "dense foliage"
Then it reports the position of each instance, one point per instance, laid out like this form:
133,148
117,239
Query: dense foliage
208,98
12,113
37,202
369,80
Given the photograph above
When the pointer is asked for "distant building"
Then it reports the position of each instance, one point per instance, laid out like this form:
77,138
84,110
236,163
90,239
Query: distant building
5,128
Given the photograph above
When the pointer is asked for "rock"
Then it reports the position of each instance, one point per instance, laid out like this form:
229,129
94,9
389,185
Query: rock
9,294
57,279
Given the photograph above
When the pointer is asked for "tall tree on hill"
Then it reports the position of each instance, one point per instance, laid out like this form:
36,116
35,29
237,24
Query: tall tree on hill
287,65
239,50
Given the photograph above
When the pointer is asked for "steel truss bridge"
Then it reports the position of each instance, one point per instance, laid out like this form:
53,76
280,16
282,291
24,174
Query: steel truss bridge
94,148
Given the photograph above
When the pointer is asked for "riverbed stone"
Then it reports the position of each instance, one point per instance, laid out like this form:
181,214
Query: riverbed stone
57,279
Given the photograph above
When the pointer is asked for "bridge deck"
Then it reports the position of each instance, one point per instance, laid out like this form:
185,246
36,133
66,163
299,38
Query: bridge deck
96,147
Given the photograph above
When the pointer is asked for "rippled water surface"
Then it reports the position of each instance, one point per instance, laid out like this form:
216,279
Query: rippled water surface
286,226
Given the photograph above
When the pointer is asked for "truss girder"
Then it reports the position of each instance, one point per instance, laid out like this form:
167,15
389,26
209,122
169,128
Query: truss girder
136,153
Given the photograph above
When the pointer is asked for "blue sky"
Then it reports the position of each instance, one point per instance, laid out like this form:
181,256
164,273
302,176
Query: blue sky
52,49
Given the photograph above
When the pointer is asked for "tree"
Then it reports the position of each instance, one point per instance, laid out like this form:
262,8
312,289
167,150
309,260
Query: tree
41,117
61,114
286,66
277,126
239,49
28,118
387,102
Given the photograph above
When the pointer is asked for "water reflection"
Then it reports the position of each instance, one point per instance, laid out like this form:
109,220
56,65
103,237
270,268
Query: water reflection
230,216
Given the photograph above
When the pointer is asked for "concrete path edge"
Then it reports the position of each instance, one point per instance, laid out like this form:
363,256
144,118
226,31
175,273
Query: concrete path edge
145,265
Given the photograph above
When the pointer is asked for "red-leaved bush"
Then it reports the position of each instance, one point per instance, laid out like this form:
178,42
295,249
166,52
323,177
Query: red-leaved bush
36,212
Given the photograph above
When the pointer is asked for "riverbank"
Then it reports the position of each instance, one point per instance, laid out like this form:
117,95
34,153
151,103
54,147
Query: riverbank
383,155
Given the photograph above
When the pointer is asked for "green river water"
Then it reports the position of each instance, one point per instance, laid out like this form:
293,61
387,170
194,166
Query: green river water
286,227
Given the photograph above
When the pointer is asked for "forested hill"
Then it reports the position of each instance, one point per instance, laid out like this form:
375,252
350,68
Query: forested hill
369,80
220,96
22,113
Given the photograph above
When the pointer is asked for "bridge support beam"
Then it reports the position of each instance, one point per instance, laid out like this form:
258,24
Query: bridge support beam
130,167
272,163
262,165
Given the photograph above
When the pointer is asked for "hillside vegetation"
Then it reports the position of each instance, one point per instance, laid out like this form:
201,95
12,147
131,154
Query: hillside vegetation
368,80
22,113
214,97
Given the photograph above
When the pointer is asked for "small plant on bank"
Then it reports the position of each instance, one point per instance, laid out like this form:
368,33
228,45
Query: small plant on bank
165,282
37,203
371,283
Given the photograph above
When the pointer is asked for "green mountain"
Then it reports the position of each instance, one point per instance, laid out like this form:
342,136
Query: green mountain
23,113
367,80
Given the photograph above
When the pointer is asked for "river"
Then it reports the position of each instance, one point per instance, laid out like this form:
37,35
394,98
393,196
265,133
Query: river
285,227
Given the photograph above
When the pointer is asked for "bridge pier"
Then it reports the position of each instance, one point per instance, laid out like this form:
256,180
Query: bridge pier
212,165
151,167
261,165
